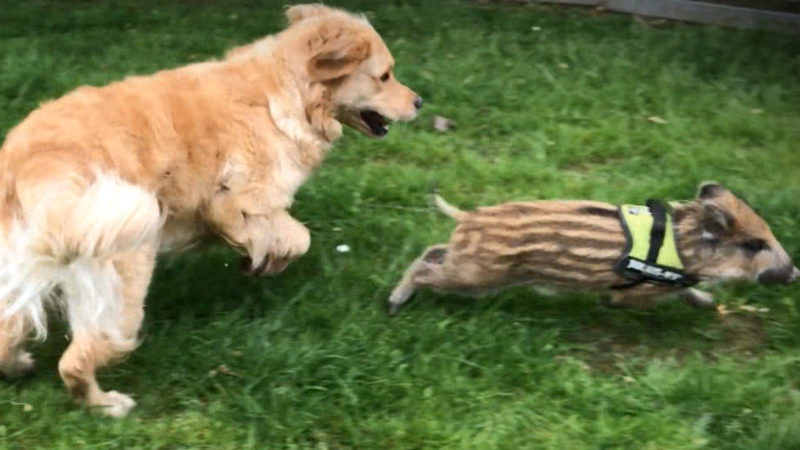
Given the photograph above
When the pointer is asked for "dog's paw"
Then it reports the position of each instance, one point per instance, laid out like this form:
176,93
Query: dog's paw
113,404
271,253
275,265
270,265
19,366
295,242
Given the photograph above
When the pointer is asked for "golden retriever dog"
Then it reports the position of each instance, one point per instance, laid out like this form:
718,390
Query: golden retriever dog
98,182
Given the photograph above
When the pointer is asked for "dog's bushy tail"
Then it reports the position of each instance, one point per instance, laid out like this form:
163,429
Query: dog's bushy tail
65,242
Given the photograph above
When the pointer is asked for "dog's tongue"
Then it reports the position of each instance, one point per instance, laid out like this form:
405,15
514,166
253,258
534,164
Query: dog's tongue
375,122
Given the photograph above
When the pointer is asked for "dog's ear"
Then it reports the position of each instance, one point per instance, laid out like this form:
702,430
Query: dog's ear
336,51
299,13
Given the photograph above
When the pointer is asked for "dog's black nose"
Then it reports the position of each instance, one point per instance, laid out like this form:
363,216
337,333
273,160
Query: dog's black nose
418,102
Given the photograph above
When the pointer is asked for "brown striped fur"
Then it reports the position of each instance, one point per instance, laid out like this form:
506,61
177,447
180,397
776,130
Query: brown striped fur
573,244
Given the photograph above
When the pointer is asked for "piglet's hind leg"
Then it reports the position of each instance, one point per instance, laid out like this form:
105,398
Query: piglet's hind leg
426,266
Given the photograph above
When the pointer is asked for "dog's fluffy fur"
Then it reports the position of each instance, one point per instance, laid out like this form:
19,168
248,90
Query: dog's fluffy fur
97,182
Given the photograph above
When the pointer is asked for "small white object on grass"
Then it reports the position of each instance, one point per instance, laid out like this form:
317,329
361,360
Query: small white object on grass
342,248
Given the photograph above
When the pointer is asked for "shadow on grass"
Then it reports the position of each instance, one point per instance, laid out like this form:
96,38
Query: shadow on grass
605,338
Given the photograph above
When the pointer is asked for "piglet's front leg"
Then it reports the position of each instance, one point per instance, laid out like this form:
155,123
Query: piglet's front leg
699,299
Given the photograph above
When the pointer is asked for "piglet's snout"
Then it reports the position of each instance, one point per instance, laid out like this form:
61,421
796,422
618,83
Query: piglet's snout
779,275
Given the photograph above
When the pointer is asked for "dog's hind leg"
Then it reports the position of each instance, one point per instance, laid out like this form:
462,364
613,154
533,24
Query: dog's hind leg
430,261
14,360
93,347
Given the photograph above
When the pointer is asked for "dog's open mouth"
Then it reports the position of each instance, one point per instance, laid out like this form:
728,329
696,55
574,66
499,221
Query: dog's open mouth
378,125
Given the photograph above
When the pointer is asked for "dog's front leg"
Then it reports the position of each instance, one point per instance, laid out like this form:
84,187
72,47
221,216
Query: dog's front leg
267,234
276,239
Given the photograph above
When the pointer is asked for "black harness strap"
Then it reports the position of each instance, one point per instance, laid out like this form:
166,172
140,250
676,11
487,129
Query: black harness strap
659,213
657,231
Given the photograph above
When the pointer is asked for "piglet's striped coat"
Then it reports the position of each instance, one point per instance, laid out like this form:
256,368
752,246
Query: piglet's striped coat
573,245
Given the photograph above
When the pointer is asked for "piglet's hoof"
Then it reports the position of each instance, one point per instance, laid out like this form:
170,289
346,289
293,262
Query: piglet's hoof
394,308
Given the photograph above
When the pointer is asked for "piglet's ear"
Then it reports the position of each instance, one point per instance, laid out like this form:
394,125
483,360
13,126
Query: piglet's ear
337,52
710,189
716,222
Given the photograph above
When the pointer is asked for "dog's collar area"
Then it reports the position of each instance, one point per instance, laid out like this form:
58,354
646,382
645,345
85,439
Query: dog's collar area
651,253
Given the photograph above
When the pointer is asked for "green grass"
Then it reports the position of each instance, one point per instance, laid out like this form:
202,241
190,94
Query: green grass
559,111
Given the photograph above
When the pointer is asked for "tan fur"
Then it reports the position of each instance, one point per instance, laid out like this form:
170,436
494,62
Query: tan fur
574,245
222,146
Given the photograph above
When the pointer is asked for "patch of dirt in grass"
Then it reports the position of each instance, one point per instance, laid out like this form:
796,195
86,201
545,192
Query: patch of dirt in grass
740,334
603,347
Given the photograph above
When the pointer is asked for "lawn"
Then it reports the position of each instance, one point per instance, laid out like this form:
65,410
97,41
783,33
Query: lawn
547,103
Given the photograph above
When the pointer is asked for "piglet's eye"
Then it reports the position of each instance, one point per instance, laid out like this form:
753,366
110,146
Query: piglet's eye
385,76
755,245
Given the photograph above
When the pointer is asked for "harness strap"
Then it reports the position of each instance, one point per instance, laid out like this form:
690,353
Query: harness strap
657,231
649,262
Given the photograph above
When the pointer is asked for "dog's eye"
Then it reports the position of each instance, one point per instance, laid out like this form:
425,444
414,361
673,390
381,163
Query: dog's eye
755,245
385,76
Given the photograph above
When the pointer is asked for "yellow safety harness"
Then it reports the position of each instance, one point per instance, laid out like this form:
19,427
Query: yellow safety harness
651,254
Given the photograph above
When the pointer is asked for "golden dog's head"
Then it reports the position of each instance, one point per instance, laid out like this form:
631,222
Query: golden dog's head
350,70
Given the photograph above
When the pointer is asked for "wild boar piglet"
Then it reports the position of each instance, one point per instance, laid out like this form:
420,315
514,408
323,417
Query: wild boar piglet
638,254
